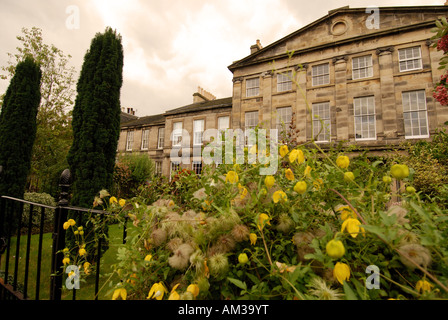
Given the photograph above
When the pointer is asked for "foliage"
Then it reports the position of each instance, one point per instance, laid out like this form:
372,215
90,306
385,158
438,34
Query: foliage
132,171
96,119
441,43
234,239
53,135
42,198
18,127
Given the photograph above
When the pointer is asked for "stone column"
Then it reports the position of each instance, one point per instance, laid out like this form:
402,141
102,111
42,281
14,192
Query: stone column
387,113
341,119
236,103
266,110
302,118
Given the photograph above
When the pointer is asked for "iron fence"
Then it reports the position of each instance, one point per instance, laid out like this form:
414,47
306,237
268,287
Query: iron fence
13,229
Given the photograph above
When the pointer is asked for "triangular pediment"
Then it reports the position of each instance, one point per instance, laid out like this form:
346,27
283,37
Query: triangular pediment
345,25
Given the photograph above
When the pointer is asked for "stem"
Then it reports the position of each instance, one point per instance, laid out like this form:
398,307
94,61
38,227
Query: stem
265,247
350,205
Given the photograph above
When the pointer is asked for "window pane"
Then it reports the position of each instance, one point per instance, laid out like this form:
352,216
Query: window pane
365,119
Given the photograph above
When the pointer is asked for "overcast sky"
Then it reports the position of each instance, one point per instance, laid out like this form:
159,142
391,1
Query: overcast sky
170,46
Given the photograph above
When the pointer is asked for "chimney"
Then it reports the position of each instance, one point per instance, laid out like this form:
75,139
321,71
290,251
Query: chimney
202,96
256,47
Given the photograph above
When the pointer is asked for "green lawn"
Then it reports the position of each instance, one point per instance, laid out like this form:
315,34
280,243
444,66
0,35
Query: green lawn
87,285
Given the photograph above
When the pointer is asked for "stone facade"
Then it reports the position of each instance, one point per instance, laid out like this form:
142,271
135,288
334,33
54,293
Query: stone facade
359,76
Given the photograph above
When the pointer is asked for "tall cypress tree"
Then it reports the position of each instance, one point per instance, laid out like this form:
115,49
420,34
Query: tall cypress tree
18,128
96,119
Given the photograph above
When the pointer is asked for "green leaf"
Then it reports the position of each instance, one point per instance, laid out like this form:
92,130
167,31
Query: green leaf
238,283
375,230
349,293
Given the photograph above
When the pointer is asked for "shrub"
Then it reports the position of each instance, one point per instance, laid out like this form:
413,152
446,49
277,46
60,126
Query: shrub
42,198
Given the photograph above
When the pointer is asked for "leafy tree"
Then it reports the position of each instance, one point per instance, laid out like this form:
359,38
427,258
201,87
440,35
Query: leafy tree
54,134
18,127
96,119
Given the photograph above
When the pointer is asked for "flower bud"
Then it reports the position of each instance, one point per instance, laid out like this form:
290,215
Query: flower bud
399,171
349,176
335,249
243,259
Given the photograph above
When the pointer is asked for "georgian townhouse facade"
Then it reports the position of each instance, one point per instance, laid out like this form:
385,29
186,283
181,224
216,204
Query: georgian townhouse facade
359,76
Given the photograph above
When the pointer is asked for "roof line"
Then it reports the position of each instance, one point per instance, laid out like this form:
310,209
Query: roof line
331,13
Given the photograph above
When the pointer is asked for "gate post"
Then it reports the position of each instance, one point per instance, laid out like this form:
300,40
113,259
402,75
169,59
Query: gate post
59,236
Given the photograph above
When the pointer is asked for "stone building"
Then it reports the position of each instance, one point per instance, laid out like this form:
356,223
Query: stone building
363,76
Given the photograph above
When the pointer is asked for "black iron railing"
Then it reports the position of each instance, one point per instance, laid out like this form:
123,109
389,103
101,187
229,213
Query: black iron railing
13,228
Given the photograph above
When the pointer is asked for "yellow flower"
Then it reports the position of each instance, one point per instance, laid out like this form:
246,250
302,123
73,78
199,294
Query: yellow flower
82,252
157,291
66,260
399,171
346,212
341,272
300,187
194,289
243,191
349,176
283,150
253,238
335,249
86,267
410,189
307,172
243,259
352,226
69,223
279,195
262,220
120,292
318,183
112,200
296,154
342,162
121,202
174,295
289,174
148,257
269,181
423,285
387,179
232,177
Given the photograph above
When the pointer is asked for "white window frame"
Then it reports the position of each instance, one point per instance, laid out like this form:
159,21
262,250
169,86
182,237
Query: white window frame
321,74
198,130
321,113
407,55
145,139
284,81
253,87
160,137
250,122
284,118
177,133
414,109
129,140
196,166
158,167
362,67
362,109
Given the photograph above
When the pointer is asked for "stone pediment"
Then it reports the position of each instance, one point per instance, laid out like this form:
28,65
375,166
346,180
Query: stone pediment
344,25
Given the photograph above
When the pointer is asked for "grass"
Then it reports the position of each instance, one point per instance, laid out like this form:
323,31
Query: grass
87,285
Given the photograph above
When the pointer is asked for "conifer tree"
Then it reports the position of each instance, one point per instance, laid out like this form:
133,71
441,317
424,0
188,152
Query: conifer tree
18,128
96,120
